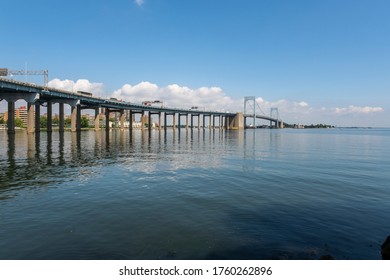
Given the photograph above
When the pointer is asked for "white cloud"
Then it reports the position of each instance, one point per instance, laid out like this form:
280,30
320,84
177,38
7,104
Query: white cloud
174,95
215,99
139,2
138,93
82,84
285,107
205,98
358,110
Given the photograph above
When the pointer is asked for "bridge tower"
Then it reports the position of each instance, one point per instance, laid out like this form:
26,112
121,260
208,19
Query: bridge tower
275,114
250,99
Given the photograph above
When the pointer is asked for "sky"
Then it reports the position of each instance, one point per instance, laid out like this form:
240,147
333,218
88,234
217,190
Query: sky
316,61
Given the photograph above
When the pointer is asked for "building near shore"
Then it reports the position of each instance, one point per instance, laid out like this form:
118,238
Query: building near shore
20,113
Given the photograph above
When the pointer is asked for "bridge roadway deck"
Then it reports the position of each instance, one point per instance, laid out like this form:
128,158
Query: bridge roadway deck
12,90
54,94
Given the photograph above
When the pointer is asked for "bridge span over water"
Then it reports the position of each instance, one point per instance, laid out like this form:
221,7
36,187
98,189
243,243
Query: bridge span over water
37,96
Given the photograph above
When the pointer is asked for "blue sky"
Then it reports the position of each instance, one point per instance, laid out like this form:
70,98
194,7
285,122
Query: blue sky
317,61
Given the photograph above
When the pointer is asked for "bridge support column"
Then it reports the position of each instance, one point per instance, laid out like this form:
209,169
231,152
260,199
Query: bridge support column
107,117
210,120
37,117
122,119
204,122
192,121
49,123
174,120
187,121
143,121
227,120
179,120
75,119
237,122
61,117
11,117
97,119
198,121
78,118
131,122
165,122
30,118
150,122
159,121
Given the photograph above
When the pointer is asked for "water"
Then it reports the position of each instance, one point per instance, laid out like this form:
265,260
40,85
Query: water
254,194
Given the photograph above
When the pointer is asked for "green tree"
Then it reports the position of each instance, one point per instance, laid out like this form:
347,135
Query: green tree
19,122
67,122
84,122
2,120
56,120
43,120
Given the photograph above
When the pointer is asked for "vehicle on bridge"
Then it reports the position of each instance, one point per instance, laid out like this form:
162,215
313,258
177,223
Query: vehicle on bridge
151,103
84,93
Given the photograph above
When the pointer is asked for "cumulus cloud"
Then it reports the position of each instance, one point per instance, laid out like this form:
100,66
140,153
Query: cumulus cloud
205,98
139,2
285,107
174,95
358,110
214,98
137,93
82,84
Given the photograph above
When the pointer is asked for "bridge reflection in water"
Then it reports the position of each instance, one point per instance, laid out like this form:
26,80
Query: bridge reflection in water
26,157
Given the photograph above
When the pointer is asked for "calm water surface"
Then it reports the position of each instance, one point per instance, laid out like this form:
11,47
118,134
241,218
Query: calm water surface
254,194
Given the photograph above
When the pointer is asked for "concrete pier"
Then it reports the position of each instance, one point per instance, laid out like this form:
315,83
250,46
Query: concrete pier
97,119
159,121
165,122
143,121
78,118
107,115
150,122
30,118
61,124
237,122
122,119
37,117
49,122
11,117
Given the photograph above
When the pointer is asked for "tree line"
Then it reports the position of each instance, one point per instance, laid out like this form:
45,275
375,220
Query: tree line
55,122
